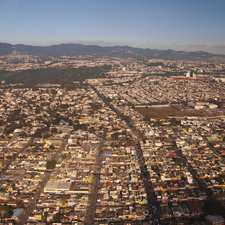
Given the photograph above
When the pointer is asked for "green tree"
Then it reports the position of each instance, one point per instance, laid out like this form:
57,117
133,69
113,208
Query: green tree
57,217
51,147
54,130
178,160
19,203
105,131
8,214
51,164
148,118
92,129
174,122
53,92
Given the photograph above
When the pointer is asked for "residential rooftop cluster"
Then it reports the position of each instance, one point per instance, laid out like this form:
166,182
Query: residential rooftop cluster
154,90
122,194
61,150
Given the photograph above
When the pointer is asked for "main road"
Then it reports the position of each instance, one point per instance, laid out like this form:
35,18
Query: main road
90,212
29,209
16,155
152,200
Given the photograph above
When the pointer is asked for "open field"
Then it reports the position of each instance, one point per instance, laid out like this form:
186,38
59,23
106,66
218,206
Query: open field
163,112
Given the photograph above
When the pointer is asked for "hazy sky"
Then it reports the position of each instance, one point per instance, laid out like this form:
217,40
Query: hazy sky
177,24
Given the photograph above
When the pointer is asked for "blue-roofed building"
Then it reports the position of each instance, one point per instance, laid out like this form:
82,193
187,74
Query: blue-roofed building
17,214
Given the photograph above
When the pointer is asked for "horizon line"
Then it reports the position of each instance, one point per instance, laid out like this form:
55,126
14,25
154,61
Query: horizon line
115,44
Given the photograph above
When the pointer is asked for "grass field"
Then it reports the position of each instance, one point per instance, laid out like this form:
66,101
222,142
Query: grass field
163,112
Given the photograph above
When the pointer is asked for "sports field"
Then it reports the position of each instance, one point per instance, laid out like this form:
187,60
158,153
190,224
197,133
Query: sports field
163,112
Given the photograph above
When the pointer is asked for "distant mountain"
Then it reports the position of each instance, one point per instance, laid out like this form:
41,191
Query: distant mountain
116,51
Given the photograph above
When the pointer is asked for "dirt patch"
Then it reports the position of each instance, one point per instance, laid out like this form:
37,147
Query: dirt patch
163,112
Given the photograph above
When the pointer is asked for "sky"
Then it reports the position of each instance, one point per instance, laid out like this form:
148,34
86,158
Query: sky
189,25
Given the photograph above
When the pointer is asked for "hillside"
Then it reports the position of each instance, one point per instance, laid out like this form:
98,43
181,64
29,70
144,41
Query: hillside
116,51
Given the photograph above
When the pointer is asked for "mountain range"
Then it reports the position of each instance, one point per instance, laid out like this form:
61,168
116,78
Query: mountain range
116,51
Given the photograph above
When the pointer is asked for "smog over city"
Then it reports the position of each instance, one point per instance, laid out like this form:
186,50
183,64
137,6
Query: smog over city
112,112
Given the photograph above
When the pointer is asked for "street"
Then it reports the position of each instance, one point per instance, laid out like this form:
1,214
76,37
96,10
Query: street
16,155
90,212
152,201
28,210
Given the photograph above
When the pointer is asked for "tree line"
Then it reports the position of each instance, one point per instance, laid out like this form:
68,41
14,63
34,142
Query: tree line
54,75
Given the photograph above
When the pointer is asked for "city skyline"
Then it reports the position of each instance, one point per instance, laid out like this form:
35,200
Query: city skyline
177,25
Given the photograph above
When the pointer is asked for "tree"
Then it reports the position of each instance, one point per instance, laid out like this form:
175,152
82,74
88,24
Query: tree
8,214
40,131
51,164
174,122
45,215
220,180
105,131
19,203
148,118
92,129
127,119
53,92
54,130
51,147
57,217
95,106
178,160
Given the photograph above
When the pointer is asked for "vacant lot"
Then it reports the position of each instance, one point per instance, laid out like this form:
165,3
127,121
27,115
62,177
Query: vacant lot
163,112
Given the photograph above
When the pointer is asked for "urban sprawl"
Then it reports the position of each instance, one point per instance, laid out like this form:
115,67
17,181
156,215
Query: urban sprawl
138,146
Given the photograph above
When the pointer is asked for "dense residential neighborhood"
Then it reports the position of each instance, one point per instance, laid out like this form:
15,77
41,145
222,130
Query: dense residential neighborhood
143,144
